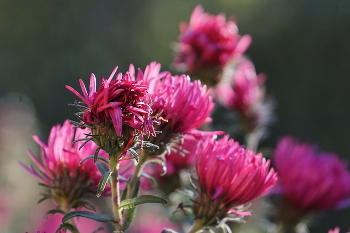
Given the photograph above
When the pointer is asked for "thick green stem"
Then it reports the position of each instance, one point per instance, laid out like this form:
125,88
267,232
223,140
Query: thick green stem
114,165
66,209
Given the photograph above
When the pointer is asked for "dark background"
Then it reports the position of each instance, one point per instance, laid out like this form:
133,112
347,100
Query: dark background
302,45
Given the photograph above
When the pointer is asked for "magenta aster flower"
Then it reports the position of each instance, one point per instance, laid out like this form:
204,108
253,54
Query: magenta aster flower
116,113
59,169
183,105
229,176
208,42
310,180
244,93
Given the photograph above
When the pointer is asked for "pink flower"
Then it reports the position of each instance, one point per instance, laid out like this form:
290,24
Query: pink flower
336,230
116,113
228,176
310,180
59,169
208,41
183,105
244,93
243,90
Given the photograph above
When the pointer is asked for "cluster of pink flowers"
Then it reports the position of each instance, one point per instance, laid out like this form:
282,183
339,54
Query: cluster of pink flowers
184,104
208,41
167,110
310,180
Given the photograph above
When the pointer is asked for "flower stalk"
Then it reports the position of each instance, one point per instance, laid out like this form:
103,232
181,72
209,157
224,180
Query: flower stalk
197,225
115,188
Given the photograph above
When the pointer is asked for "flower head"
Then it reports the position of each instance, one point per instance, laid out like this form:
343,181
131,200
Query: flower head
208,42
116,112
244,93
59,168
310,180
184,105
229,176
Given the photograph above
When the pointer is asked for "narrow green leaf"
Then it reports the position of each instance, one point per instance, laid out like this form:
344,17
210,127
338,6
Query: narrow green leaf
129,218
92,157
86,214
67,226
102,167
96,154
80,140
53,211
103,182
131,203
134,154
131,211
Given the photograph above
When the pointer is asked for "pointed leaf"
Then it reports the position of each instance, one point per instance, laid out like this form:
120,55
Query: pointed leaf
129,218
86,214
130,203
102,167
53,211
67,226
92,157
131,211
96,154
102,183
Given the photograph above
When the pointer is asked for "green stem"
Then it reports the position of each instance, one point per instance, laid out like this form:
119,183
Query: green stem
114,165
66,209
133,180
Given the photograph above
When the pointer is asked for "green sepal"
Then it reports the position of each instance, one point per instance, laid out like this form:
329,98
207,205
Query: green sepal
45,196
67,226
96,154
131,203
102,167
82,203
86,214
131,212
98,229
53,211
102,183
93,157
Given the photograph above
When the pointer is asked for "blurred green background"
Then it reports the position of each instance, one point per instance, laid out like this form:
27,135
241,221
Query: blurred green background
302,45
